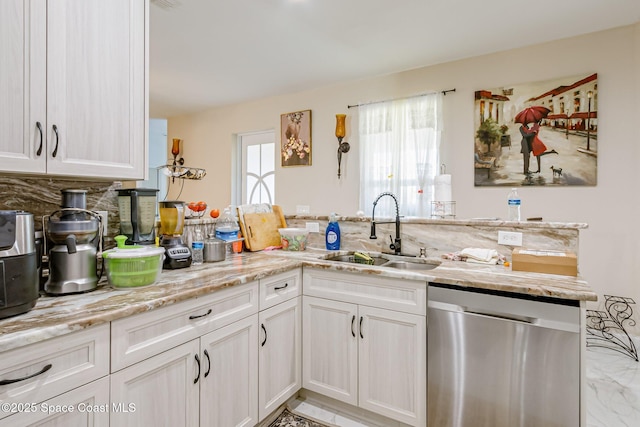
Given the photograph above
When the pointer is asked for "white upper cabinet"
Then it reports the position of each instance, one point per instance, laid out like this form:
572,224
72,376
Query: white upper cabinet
23,74
76,79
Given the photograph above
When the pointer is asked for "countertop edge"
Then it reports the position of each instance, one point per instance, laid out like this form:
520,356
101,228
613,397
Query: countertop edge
57,316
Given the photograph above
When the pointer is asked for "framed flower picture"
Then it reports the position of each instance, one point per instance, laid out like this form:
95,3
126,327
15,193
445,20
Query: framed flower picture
295,138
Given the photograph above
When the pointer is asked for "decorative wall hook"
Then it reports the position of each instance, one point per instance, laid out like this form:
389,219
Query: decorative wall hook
343,147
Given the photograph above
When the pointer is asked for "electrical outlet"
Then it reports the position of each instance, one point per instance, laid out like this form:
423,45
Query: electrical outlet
105,221
312,227
510,238
302,209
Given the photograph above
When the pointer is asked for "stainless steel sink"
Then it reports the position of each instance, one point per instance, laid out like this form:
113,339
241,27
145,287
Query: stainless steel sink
400,262
404,265
350,258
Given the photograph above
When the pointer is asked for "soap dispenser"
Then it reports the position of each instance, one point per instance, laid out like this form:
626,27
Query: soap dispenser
332,235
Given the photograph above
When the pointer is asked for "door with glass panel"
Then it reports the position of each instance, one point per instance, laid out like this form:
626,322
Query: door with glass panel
257,170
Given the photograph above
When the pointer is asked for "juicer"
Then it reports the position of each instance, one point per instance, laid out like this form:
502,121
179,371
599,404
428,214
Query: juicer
75,235
177,254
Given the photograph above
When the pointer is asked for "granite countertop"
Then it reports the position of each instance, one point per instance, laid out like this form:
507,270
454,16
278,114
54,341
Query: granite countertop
56,316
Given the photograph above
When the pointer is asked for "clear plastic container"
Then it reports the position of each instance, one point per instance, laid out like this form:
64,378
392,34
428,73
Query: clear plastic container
293,239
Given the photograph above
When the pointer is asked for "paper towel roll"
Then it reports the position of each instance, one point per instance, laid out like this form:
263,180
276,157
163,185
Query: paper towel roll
442,190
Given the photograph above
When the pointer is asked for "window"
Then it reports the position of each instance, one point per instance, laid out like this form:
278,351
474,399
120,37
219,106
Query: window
399,153
257,168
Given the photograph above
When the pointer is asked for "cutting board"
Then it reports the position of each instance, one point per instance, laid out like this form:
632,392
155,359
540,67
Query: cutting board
260,230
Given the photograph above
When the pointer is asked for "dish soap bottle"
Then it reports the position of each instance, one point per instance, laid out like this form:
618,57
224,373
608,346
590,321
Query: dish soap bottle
332,235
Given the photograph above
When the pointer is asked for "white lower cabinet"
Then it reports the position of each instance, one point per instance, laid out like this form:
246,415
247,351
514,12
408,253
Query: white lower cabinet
162,390
392,358
279,355
85,406
330,348
229,375
191,364
367,356
52,371
210,381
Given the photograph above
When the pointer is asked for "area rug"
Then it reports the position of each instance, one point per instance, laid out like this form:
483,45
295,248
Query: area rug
289,419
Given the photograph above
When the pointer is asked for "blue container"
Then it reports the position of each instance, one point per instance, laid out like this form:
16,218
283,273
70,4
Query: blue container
332,235
227,234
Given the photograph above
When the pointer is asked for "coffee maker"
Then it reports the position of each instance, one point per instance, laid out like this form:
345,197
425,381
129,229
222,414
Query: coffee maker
75,235
137,208
177,254
19,282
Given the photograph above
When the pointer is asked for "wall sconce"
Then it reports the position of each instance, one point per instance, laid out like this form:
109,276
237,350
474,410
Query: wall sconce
175,150
343,147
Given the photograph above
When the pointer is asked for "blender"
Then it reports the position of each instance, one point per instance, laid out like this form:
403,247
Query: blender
76,236
177,254
137,208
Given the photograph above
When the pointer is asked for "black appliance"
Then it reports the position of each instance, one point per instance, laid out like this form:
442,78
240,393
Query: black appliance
19,281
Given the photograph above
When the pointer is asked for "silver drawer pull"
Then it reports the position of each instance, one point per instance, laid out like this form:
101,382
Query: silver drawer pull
42,371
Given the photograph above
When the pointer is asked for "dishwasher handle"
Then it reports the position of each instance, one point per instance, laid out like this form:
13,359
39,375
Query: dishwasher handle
526,320
481,312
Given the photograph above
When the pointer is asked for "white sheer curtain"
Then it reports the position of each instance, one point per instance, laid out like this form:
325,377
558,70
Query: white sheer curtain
399,152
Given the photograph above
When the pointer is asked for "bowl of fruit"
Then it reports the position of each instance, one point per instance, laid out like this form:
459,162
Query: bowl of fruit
196,209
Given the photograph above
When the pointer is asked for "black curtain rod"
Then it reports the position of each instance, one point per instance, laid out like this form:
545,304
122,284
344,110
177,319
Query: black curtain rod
444,92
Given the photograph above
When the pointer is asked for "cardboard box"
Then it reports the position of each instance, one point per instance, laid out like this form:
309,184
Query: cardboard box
545,261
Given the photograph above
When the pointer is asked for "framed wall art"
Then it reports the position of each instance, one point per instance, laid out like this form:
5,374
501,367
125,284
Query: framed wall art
541,133
295,138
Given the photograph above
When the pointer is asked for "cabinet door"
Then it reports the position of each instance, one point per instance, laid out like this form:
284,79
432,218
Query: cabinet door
229,387
23,85
330,348
279,355
96,88
393,364
161,389
86,406
40,371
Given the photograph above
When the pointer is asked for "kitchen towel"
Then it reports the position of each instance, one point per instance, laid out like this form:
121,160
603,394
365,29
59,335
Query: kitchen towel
442,191
480,256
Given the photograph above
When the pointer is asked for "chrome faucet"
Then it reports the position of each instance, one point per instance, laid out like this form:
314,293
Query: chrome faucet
396,243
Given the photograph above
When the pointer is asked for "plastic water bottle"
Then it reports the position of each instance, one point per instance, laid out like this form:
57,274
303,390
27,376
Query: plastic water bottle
197,248
514,205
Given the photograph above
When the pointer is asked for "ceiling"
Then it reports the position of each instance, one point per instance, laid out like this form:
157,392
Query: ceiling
208,53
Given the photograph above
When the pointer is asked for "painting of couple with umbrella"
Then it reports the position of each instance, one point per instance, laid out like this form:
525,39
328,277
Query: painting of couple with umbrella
554,120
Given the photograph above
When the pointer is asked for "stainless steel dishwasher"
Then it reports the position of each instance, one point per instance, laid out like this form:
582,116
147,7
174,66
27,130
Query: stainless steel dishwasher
500,361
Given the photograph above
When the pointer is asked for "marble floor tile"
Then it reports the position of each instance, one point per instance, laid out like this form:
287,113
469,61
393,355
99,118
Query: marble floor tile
613,389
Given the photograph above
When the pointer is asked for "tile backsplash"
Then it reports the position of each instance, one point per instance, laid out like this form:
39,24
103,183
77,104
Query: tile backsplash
42,196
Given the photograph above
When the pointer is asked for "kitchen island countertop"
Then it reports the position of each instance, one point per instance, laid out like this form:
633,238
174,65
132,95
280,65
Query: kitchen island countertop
60,315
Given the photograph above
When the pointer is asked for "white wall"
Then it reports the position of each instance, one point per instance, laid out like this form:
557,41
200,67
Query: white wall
609,247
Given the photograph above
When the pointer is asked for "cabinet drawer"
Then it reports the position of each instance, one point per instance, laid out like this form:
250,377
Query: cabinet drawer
55,366
139,337
409,296
86,406
280,288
